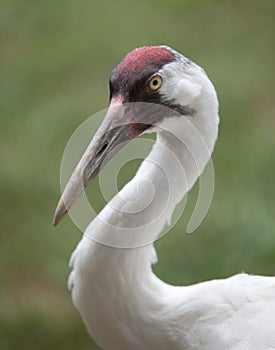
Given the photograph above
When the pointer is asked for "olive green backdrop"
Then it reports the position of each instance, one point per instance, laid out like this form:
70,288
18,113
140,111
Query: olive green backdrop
56,57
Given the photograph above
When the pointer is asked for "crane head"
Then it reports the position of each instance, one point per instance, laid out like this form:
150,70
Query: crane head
145,80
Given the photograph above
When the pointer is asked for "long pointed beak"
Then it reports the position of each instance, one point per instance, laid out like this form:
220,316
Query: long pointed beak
111,136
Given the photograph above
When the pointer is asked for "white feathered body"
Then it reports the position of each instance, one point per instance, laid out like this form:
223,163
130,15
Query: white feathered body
123,304
130,308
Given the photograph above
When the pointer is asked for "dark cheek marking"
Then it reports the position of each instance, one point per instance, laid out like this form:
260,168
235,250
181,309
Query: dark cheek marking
135,129
132,133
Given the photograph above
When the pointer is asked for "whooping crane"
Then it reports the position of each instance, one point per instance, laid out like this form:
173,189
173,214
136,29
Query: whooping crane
123,304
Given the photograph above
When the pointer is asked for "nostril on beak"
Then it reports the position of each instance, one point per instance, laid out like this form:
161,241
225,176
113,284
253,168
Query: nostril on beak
103,148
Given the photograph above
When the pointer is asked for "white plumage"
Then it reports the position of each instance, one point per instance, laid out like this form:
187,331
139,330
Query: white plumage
123,304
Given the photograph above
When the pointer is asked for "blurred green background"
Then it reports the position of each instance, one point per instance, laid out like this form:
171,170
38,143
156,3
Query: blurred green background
55,62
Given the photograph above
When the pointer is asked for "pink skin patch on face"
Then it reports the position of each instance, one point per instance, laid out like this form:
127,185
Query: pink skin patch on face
142,58
117,100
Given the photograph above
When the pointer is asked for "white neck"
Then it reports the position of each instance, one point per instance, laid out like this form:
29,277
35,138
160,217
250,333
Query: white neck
119,283
117,293
137,215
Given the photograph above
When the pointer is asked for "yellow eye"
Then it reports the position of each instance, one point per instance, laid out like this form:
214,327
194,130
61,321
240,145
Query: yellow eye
155,83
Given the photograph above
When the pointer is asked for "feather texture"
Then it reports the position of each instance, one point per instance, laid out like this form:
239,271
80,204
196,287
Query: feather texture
123,304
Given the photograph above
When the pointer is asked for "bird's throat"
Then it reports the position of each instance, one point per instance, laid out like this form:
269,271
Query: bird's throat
137,215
